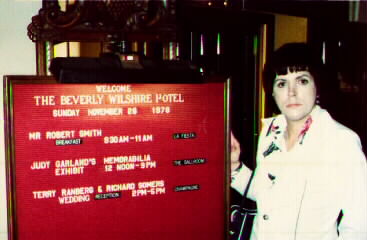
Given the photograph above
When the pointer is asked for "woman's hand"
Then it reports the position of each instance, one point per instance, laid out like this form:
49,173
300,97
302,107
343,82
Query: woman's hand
235,153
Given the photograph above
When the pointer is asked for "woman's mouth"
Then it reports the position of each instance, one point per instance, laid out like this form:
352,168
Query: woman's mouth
293,105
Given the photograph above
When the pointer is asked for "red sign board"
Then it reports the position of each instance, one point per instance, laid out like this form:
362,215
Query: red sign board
116,161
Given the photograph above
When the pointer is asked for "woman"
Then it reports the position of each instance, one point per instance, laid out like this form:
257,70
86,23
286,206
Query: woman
310,169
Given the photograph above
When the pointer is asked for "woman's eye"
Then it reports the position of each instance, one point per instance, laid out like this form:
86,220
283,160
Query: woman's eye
303,81
280,84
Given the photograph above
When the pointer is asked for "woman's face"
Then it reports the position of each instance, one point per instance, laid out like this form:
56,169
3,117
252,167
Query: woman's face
295,94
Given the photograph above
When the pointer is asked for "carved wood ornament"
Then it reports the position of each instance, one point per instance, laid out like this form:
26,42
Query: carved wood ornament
98,20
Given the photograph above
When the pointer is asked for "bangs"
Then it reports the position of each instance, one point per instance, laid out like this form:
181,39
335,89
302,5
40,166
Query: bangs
283,70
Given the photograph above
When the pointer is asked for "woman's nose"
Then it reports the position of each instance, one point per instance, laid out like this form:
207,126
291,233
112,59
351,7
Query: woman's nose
292,90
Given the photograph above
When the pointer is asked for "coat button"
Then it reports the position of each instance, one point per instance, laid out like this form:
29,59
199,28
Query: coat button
266,217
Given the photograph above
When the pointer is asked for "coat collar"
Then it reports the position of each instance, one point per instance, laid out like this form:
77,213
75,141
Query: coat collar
276,127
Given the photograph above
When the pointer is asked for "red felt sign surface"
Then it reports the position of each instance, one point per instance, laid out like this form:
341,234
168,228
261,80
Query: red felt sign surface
119,161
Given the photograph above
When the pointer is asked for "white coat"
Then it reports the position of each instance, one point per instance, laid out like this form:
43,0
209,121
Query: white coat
300,193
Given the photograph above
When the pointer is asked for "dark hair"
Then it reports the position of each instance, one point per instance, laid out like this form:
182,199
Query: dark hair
293,57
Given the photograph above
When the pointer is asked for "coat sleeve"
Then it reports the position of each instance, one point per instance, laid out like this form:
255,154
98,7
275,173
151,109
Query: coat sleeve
259,157
240,179
353,225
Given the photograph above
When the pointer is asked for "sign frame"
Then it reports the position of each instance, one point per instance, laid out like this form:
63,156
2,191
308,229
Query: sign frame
11,178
